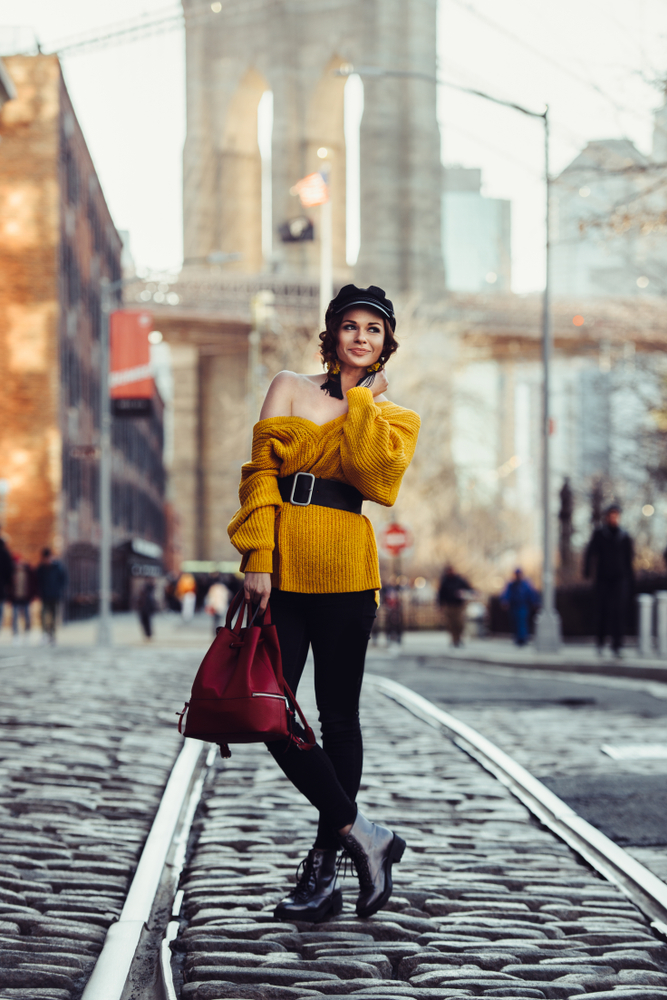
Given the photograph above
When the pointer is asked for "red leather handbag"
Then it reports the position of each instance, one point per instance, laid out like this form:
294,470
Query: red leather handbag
239,694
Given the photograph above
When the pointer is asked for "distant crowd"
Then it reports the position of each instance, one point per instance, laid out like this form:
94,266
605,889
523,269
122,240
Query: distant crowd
608,562
21,584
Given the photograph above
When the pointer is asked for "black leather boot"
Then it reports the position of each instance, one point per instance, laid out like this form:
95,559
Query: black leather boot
373,850
315,896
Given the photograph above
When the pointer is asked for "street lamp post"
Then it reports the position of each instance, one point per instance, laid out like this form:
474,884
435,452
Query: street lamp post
107,289
104,638
326,240
547,624
547,627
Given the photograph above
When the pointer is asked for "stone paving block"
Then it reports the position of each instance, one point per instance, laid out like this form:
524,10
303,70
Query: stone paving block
630,959
35,993
628,993
205,945
551,970
493,961
272,976
418,992
221,990
217,958
34,977
643,977
514,991
75,964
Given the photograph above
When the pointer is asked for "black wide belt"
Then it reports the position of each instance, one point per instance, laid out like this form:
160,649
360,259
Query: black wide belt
303,489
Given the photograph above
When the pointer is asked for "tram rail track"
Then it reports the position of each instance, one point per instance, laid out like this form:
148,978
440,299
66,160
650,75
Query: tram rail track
164,853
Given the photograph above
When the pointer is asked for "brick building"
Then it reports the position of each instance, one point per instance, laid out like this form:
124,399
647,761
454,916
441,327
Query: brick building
57,241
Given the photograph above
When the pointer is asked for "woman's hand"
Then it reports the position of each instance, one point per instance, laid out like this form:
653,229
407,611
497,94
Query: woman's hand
380,384
257,588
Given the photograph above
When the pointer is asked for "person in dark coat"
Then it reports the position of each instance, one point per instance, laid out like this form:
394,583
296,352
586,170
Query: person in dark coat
147,606
520,598
51,583
23,591
610,552
452,596
6,576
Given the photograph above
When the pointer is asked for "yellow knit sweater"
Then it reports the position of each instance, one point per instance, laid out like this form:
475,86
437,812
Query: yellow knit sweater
321,550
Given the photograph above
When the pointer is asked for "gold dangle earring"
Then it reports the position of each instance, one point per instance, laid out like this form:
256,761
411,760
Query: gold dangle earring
374,368
333,367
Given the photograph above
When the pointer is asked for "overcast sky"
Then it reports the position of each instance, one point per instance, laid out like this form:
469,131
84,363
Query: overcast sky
595,62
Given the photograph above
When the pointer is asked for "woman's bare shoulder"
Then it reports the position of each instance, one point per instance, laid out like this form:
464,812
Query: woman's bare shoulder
284,389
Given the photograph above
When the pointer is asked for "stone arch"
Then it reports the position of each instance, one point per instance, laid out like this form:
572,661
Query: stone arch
325,126
240,176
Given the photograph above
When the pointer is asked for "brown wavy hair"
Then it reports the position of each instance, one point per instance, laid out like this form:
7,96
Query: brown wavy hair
329,336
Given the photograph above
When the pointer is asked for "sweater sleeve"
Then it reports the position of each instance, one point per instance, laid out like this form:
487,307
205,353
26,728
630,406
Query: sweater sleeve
378,445
252,529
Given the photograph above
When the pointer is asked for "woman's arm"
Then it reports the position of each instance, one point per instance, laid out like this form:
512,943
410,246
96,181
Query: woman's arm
378,445
252,528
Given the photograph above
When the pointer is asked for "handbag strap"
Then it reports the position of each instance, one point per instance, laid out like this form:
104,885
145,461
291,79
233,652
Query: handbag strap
310,735
234,606
241,604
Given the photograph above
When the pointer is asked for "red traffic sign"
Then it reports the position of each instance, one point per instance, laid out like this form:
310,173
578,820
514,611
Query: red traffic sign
395,538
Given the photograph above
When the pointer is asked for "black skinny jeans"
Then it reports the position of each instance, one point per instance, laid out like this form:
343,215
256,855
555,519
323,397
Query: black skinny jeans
338,627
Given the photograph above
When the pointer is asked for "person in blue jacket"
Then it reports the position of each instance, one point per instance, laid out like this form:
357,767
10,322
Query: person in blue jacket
520,597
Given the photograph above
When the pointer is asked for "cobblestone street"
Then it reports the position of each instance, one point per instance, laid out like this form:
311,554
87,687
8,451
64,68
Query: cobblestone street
486,901
88,741
555,725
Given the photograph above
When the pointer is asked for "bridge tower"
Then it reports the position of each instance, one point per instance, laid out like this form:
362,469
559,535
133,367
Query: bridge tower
238,49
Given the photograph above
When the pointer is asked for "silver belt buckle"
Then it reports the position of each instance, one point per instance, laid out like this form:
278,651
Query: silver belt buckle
300,503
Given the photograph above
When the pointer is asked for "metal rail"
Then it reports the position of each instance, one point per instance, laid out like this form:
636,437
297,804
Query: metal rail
179,801
645,889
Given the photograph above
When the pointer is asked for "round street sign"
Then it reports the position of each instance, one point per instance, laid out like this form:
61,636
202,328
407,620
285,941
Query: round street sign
394,538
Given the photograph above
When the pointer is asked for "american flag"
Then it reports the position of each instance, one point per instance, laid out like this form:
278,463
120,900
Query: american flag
312,190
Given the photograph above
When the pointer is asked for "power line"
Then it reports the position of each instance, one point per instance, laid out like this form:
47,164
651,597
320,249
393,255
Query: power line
168,19
465,5
496,149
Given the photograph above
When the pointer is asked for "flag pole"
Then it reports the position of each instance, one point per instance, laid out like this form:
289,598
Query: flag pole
326,239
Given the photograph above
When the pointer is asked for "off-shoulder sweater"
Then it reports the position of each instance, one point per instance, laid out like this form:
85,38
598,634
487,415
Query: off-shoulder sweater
321,550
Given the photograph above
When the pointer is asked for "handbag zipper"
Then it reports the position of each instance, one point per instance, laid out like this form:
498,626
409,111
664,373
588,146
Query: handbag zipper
263,694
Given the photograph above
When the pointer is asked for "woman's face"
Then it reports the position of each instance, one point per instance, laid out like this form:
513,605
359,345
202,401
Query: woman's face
360,338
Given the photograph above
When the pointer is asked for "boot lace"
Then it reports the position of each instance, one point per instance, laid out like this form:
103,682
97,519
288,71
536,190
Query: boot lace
304,879
357,855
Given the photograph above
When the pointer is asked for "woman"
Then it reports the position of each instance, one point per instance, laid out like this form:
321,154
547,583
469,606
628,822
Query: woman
323,444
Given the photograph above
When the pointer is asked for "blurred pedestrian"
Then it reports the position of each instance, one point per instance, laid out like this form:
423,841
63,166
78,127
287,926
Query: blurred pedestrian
393,603
186,592
51,583
610,554
6,576
146,607
170,598
217,601
453,595
22,592
520,598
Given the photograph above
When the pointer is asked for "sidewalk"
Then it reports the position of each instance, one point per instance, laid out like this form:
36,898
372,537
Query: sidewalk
169,632
572,658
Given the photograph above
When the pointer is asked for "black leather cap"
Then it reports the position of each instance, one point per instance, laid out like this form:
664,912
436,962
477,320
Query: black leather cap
350,296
